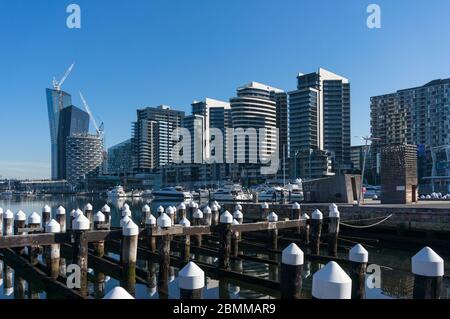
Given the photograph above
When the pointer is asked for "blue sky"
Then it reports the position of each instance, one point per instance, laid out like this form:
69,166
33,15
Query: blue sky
137,53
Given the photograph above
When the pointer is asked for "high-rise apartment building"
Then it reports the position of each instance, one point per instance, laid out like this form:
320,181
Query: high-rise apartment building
84,157
418,116
319,118
120,158
152,136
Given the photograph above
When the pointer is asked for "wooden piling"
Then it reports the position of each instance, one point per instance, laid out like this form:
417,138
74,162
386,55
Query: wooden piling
159,211
185,242
8,288
272,240
191,281
106,210
333,230
80,226
226,220
164,222
291,272
296,211
19,222
358,257
34,222
305,230
61,218
239,217
316,231
146,212
8,223
198,219
150,227
99,224
181,211
428,270
1,222
207,216
89,213
215,214
264,211
52,252
46,215
235,241
130,233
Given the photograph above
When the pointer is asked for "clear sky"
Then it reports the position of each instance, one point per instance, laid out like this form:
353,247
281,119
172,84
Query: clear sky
136,53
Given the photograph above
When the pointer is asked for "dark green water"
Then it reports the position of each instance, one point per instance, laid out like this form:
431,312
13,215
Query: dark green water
396,280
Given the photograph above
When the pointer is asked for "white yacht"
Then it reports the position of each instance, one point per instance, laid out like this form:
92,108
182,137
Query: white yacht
233,193
117,192
172,193
295,191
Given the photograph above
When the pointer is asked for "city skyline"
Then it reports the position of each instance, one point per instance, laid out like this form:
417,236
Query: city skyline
165,81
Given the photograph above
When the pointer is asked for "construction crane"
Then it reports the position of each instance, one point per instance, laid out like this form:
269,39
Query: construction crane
57,85
98,129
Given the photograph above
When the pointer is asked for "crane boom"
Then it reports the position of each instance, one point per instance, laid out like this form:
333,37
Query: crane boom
57,85
88,111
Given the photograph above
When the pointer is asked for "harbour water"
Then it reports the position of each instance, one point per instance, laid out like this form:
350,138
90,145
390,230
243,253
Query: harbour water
396,279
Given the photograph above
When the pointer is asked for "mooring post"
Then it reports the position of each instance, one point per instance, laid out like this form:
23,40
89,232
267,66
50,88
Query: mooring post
8,222
61,218
89,213
19,287
215,214
235,241
191,280
191,209
207,216
239,217
8,286
296,212
46,215
106,210
130,233
305,230
185,241
52,252
159,211
145,213
331,282
80,226
333,230
264,211
198,219
19,222
181,211
291,272
99,224
272,240
171,213
428,270
358,257
71,218
226,220
164,222
316,231
34,222
118,293
150,227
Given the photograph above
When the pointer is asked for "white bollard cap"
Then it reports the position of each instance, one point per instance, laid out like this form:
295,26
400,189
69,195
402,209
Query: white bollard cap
427,263
46,209
34,218
331,282
272,217
238,207
226,218
126,212
8,215
106,209
214,207
333,211
292,255
146,209
185,222
88,207
305,216
99,217
235,222
151,220
191,277
81,222
1,211
124,220
118,293
207,210
358,254
20,216
265,206
296,206
170,210
317,214
60,211
238,214
72,213
125,206
198,213
53,227
195,205
130,229
164,221
77,213
182,206
217,204
160,209
191,203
